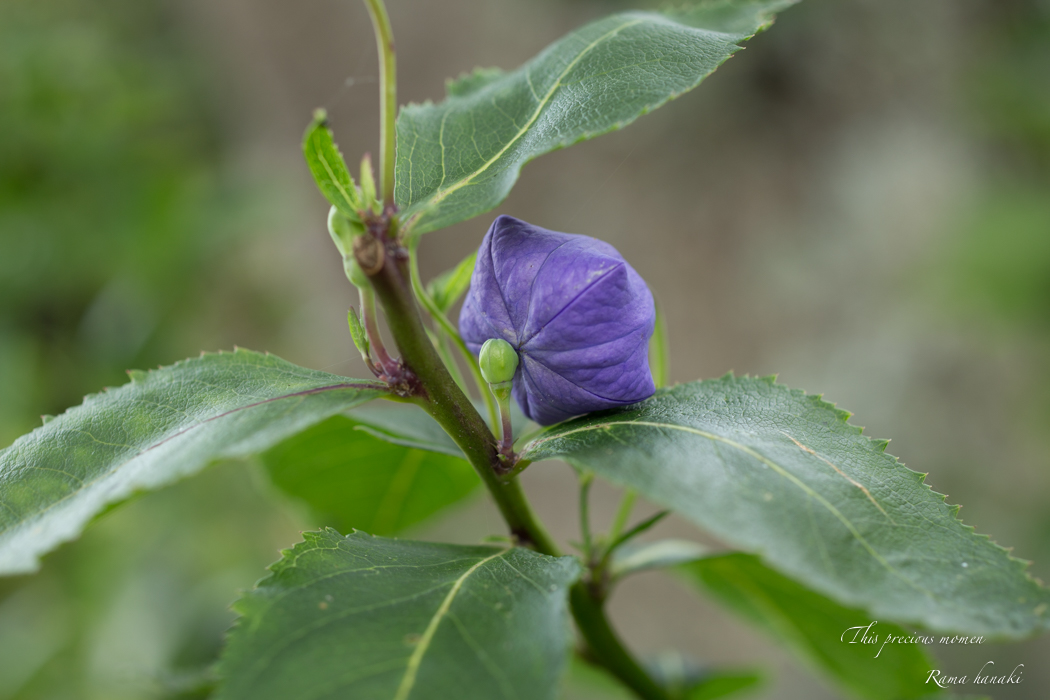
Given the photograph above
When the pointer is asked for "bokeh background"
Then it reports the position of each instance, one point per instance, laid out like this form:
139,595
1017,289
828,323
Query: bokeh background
859,202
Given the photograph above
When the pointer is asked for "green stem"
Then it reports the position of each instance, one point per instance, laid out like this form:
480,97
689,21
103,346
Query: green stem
585,517
506,431
387,98
441,343
622,515
449,406
375,340
606,647
451,333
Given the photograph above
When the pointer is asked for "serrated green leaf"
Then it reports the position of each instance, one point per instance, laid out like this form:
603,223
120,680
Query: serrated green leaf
155,430
329,169
460,158
450,285
471,82
781,474
367,617
812,626
354,480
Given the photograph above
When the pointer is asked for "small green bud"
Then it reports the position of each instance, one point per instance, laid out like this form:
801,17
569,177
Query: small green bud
354,273
498,361
342,231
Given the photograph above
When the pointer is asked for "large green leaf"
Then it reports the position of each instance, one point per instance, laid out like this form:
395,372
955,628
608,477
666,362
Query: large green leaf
459,158
367,617
162,426
822,632
355,480
781,474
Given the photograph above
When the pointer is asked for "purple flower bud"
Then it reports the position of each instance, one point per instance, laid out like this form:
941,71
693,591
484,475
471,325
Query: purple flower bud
578,315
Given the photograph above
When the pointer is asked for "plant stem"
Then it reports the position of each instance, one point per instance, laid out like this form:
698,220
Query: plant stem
449,406
608,650
585,517
375,340
387,98
623,513
442,399
445,326
424,376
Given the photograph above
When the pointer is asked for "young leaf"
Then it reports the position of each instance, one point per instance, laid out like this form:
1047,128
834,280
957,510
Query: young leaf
162,426
459,158
329,169
634,557
449,286
782,474
358,334
813,626
368,185
367,617
353,480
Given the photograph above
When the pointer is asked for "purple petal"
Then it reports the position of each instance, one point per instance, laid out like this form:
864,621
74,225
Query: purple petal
578,314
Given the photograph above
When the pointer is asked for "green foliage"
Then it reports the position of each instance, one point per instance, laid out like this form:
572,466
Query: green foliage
814,628
118,217
450,285
635,557
782,474
329,169
460,158
367,617
355,480
162,426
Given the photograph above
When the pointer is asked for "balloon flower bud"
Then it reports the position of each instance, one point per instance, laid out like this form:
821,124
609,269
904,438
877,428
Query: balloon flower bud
498,361
342,231
576,315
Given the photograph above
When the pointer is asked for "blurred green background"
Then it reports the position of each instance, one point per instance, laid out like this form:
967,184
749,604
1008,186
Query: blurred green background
860,202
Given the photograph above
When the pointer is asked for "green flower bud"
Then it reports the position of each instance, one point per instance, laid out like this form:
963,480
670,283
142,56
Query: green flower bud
342,231
354,273
498,361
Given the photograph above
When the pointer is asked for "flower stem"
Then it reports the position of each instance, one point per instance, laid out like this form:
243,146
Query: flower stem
605,646
622,514
506,433
439,395
375,340
387,98
446,327
423,374
586,478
